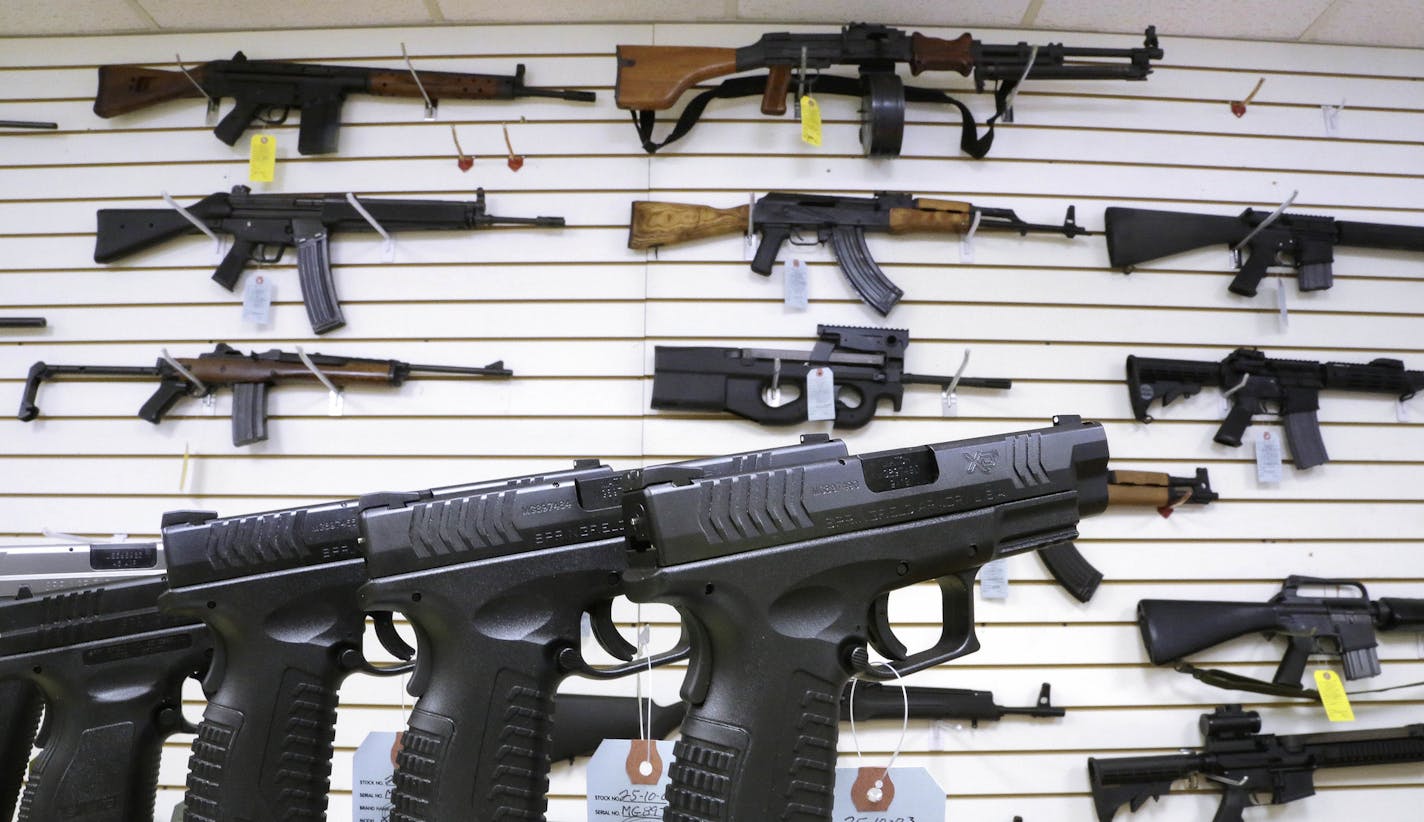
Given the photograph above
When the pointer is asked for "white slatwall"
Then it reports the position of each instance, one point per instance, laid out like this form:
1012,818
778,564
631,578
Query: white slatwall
576,315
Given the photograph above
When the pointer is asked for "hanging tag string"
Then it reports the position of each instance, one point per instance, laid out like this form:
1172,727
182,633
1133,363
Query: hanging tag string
874,794
183,372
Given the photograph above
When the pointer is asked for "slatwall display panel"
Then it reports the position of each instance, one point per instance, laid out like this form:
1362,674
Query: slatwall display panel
577,316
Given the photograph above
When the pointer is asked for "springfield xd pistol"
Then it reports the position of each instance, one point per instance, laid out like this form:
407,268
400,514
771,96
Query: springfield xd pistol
249,376
842,221
1246,764
653,78
1342,626
782,578
1303,242
502,574
868,366
1258,384
110,669
267,91
264,226
585,720
30,570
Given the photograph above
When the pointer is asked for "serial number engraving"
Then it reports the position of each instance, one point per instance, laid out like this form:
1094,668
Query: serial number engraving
137,648
835,487
548,507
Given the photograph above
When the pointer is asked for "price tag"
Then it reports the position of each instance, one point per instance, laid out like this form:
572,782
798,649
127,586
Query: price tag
626,779
820,395
257,300
1268,458
810,121
1283,313
1333,696
262,160
797,287
907,794
1401,411
994,580
372,776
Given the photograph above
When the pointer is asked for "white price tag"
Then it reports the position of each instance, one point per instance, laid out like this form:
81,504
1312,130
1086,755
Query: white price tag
372,775
626,779
1283,315
797,286
257,300
1268,458
820,395
905,794
994,580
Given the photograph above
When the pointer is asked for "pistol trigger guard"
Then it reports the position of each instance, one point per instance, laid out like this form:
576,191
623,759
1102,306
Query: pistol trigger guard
268,117
264,254
575,664
389,639
600,618
351,659
882,636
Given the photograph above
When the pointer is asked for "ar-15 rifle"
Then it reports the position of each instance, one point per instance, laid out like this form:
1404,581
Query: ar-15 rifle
782,576
585,720
504,572
868,363
652,78
1258,384
1303,242
267,90
1342,626
264,226
249,376
842,221
110,669
1246,764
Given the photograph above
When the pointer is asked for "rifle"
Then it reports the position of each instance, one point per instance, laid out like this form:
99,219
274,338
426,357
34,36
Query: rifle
22,322
1071,570
264,226
267,90
783,576
652,78
868,363
249,376
1342,626
841,221
585,720
110,669
1303,242
503,572
1252,380
1246,764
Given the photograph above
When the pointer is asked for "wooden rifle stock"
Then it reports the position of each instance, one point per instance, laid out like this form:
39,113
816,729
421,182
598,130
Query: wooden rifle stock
1140,488
440,85
230,370
123,89
655,224
654,77
932,217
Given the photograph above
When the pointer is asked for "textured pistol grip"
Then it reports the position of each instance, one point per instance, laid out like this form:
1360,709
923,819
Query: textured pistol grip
20,707
1071,570
318,288
479,748
258,757
1233,428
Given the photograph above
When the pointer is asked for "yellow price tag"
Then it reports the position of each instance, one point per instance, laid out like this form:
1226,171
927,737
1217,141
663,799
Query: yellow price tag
810,121
262,162
1333,697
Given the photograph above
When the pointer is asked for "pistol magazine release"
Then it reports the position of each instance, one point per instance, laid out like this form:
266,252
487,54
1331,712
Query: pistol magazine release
266,91
654,78
248,375
867,364
843,222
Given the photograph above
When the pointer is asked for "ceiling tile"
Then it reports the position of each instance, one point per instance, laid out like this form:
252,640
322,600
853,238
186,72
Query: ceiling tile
1371,23
1241,19
276,14
965,13
561,11
21,17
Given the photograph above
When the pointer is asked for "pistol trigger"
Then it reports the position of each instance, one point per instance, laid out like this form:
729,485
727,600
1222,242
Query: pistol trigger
389,639
600,619
882,636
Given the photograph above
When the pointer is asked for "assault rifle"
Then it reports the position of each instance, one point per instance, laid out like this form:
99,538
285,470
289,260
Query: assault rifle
1342,626
868,366
249,376
1303,242
842,221
1258,384
267,90
585,720
264,226
1246,764
782,576
652,78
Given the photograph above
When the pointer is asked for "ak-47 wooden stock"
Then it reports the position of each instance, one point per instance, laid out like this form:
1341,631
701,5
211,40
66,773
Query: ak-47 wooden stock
656,224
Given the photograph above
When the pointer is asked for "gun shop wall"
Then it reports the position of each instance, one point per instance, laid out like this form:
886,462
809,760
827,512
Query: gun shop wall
576,315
